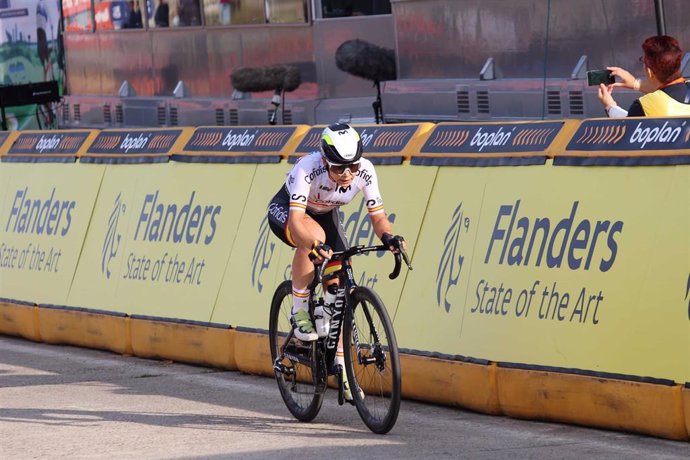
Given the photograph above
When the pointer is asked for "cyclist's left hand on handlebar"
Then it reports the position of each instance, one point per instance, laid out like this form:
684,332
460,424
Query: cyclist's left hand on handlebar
319,252
395,243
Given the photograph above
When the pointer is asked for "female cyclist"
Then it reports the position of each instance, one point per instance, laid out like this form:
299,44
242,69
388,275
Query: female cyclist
317,185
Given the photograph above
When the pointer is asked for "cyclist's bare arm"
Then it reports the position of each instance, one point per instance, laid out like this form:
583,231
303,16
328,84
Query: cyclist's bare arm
383,225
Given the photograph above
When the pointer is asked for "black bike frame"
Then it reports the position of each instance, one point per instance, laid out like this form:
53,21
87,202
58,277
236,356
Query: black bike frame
346,283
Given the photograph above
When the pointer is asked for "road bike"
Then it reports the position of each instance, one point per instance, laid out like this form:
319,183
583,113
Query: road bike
372,365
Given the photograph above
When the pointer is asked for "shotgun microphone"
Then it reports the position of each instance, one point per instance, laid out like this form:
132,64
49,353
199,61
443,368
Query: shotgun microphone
270,78
366,60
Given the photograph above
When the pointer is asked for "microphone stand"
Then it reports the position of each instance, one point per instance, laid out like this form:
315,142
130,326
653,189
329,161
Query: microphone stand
276,103
377,105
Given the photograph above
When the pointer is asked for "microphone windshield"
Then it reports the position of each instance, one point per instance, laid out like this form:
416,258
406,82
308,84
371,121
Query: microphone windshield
366,60
269,78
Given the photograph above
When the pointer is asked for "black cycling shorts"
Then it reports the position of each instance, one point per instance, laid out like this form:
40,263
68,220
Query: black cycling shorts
278,210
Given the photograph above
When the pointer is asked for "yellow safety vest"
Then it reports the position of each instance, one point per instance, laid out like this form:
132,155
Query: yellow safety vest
660,104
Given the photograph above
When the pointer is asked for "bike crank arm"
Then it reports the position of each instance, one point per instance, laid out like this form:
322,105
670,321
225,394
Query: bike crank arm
278,366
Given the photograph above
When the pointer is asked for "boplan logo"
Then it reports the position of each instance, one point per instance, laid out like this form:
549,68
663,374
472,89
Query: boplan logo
135,142
665,134
263,254
645,134
53,143
491,138
451,262
111,244
239,140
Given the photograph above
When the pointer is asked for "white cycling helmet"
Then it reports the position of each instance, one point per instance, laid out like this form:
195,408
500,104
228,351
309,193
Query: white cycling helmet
341,144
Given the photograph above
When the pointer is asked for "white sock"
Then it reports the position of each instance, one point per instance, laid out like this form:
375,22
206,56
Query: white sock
340,360
300,300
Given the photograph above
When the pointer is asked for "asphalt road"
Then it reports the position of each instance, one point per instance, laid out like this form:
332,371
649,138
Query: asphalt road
66,402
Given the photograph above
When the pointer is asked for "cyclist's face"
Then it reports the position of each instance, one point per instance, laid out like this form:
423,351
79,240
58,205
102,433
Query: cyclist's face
344,178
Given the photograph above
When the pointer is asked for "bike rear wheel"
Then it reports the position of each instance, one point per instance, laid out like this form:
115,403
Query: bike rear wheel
371,360
295,363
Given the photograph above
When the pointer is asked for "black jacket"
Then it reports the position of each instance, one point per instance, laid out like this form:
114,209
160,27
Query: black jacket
161,18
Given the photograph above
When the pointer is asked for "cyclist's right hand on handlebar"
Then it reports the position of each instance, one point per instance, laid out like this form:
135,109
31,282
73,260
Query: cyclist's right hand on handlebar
395,243
319,252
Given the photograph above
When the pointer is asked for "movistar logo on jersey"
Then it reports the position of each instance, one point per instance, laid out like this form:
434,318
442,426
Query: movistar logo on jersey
111,243
450,264
632,134
263,254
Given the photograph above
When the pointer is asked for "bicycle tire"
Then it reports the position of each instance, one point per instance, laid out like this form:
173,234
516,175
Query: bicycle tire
369,332
299,390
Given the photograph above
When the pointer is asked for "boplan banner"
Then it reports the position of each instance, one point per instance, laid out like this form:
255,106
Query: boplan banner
247,290
637,134
160,238
44,214
628,141
55,146
549,266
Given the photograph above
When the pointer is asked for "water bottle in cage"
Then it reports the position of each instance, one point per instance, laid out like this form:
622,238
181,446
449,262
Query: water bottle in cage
322,319
331,311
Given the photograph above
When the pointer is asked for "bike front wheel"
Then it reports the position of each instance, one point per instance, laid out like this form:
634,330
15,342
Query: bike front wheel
295,363
371,360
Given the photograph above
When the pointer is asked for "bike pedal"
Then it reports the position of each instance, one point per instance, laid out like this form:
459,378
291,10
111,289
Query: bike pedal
283,369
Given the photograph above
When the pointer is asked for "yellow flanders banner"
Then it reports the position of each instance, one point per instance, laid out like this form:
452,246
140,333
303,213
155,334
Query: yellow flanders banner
559,266
253,270
45,210
160,238
247,289
405,190
430,313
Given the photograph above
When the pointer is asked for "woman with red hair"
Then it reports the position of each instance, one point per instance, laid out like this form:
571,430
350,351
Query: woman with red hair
667,92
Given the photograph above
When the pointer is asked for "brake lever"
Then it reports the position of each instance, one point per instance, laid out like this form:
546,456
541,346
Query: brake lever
406,258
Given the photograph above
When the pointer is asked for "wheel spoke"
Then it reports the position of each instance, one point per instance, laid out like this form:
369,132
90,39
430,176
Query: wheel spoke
373,361
292,360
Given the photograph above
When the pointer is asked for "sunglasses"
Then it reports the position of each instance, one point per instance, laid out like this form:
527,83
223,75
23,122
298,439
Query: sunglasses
340,169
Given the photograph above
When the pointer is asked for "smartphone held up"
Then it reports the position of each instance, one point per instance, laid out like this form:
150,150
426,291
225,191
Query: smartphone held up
597,77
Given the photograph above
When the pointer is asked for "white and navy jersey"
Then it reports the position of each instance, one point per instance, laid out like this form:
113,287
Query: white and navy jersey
311,189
